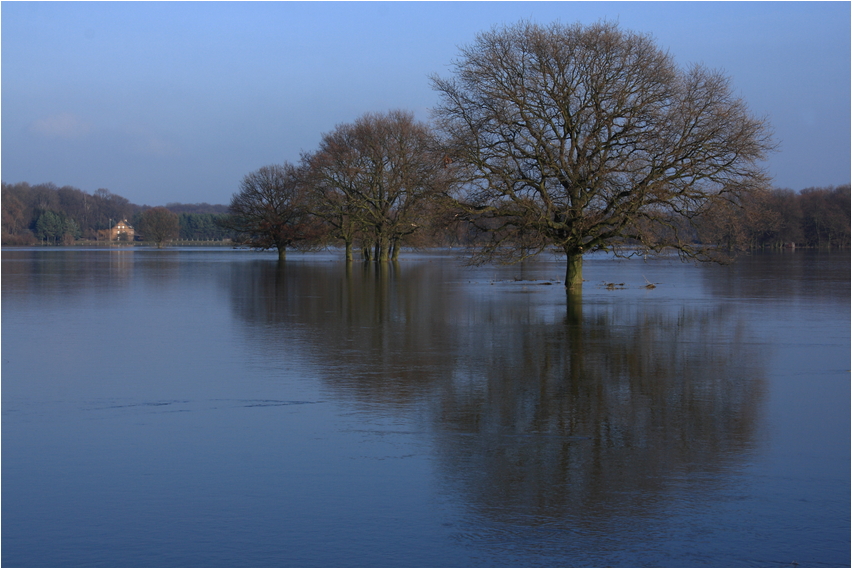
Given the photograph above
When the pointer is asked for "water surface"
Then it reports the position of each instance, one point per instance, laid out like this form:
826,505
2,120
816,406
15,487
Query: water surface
211,408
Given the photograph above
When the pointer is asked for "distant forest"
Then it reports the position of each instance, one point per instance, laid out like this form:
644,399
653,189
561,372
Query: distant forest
48,214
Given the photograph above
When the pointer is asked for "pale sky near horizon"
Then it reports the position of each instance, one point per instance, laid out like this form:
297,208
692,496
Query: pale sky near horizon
177,101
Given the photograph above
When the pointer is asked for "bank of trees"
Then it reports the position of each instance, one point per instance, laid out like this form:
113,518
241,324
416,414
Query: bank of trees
816,217
51,215
45,213
202,226
776,218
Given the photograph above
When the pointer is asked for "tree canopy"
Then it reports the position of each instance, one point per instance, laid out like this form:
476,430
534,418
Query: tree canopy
374,180
578,137
269,210
159,225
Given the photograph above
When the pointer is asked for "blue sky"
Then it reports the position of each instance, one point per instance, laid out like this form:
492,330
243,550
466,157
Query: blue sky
177,101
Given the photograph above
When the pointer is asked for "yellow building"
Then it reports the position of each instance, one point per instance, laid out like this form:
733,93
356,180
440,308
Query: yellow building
122,231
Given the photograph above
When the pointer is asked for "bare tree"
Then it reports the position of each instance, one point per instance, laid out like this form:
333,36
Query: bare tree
581,137
159,225
269,210
373,180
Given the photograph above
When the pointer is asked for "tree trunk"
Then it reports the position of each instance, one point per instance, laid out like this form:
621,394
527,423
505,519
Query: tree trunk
382,252
574,271
348,251
282,253
574,307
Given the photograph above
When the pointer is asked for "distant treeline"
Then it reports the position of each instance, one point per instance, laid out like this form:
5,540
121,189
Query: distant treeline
813,217
48,214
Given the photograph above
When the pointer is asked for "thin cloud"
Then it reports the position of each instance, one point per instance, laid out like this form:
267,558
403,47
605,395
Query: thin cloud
158,147
145,141
64,125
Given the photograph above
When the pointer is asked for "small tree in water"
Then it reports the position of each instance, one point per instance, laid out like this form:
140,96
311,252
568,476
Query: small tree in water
159,225
269,210
577,138
375,180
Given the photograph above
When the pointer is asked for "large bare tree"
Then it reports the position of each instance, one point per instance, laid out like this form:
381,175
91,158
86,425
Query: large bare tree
373,179
269,210
576,138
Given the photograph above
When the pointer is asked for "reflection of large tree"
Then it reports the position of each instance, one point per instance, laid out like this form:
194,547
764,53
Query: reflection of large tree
536,416
587,414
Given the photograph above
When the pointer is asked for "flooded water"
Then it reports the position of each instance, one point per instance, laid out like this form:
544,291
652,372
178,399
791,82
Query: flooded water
185,408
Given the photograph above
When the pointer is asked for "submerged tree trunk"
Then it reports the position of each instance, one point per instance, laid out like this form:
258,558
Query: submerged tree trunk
574,272
282,253
348,251
382,254
574,307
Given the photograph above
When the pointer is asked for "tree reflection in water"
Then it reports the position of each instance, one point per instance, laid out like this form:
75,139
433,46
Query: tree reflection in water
542,409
